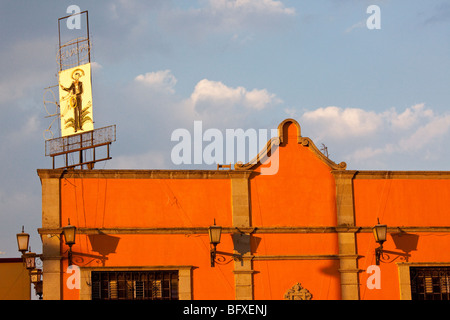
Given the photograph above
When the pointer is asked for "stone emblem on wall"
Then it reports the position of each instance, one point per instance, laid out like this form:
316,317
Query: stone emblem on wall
297,292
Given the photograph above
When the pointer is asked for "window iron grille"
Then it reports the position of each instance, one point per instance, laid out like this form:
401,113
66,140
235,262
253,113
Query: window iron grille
134,285
430,283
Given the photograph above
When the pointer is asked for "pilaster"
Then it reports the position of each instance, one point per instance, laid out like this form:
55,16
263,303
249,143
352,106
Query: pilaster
243,266
51,245
346,236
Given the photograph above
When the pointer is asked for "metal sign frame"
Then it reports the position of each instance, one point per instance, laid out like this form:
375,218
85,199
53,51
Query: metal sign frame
64,146
79,43
80,142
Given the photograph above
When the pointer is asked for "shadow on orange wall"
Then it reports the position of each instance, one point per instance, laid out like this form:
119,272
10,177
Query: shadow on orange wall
330,291
103,244
241,246
405,242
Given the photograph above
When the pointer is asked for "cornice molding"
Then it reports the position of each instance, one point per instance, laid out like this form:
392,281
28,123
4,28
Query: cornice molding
418,175
143,174
384,174
260,230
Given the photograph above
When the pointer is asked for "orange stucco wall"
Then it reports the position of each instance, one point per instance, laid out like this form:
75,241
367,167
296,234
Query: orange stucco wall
157,250
274,277
14,280
411,202
301,193
403,203
150,203
320,277
110,203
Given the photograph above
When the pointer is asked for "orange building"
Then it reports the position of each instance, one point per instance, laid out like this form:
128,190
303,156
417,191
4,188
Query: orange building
14,280
304,232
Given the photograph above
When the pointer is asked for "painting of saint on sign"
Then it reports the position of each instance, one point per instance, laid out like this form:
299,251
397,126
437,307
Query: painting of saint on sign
75,95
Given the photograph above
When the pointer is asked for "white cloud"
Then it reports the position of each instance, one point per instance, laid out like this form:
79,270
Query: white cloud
260,99
369,138
409,117
163,81
213,102
434,130
96,66
222,106
366,153
214,94
343,122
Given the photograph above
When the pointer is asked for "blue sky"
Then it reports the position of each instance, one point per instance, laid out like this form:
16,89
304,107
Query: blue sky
378,99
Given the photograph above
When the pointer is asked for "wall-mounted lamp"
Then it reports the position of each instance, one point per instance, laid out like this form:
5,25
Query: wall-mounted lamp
214,239
23,239
36,279
379,233
29,258
69,233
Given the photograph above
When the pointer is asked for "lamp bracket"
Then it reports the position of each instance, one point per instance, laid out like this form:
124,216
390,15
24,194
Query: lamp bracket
235,256
49,235
387,256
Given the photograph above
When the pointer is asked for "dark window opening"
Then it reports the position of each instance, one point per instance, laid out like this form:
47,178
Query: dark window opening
134,285
430,283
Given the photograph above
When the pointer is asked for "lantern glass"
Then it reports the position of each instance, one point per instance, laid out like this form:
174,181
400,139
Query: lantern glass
23,240
69,234
214,234
30,260
379,232
36,275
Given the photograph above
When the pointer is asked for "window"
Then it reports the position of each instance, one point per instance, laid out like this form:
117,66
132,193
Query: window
430,283
134,285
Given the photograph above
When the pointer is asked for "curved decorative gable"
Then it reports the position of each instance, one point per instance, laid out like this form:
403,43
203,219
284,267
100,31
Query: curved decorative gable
281,140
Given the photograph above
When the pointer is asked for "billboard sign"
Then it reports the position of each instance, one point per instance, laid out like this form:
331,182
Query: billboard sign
75,96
